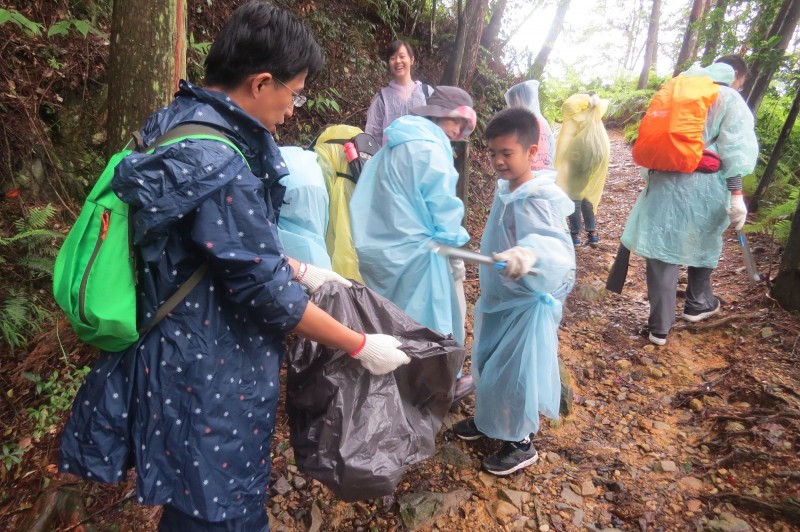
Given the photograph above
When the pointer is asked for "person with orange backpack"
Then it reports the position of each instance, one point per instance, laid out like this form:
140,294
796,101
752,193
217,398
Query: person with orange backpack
695,144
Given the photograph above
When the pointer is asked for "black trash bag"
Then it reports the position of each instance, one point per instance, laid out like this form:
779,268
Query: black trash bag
356,432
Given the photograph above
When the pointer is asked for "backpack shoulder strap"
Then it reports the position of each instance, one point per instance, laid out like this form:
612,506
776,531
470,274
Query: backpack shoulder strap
174,135
427,90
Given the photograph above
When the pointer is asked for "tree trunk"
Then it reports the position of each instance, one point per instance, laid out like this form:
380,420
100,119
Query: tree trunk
492,31
651,49
689,45
777,151
476,18
786,286
453,69
555,29
433,22
714,32
770,59
147,59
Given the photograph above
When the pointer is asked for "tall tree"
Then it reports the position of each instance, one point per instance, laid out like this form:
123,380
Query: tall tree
463,59
688,50
777,151
147,58
772,55
492,31
651,48
540,62
714,19
786,286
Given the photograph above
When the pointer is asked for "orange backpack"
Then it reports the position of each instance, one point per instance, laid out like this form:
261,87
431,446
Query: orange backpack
671,133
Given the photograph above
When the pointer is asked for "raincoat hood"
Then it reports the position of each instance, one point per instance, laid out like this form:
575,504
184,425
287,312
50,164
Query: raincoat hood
543,186
162,197
719,72
409,128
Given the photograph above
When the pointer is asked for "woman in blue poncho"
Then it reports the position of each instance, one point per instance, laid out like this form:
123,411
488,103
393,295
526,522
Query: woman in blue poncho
679,218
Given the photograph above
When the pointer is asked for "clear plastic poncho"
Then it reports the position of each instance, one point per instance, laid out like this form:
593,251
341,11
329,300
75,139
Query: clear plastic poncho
405,199
389,104
514,356
333,162
583,149
526,95
304,215
679,218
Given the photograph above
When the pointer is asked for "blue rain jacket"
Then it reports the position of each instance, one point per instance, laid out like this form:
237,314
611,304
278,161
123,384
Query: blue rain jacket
304,215
516,322
406,198
679,218
192,406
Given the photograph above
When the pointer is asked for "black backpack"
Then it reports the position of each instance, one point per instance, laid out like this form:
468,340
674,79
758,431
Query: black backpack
365,147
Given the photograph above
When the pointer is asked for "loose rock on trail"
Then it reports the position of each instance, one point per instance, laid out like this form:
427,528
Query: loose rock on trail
700,434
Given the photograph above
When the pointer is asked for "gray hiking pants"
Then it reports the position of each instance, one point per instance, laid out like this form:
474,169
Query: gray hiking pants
662,287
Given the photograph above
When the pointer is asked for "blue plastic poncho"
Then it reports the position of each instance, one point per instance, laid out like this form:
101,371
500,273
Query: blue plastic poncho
679,218
526,95
516,322
405,198
304,216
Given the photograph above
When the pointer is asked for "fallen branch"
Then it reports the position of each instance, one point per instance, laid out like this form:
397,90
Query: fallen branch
127,496
786,509
718,323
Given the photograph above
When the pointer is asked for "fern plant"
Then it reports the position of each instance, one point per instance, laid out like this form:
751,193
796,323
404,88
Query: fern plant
26,264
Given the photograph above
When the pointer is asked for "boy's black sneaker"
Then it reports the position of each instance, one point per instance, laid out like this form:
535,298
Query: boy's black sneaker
467,430
699,315
511,457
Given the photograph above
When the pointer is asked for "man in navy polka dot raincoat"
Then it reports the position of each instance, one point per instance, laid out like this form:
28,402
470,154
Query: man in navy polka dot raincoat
192,406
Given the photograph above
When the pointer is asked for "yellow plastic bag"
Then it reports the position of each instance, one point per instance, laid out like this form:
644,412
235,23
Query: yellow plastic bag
332,160
583,148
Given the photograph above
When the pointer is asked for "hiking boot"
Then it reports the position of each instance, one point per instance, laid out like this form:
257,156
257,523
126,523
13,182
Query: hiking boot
576,240
658,339
467,430
593,239
699,315
464,386
511,457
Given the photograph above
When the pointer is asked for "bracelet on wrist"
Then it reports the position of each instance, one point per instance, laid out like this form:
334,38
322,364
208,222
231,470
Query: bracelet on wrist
736,193
301,271
360,347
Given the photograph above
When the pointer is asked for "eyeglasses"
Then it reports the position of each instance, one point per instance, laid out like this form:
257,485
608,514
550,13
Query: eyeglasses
298,100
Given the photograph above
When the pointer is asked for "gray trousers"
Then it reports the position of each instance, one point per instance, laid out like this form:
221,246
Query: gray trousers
662,287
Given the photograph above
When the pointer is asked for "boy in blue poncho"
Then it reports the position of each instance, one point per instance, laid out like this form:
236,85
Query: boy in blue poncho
514,357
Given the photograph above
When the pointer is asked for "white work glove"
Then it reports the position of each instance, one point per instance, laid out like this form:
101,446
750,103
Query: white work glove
379,354
737,212
313,277
458,268
519,260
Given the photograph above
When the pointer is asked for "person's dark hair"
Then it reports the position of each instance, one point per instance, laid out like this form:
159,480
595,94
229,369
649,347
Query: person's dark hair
260,37
736,61
394,46
514,120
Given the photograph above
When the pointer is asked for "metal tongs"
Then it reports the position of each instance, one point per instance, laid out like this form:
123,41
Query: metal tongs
470,256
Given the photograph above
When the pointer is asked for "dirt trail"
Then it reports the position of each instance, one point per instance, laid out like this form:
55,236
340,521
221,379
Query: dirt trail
700,434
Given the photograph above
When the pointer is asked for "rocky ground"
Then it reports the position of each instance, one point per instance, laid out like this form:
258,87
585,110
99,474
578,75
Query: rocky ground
700,434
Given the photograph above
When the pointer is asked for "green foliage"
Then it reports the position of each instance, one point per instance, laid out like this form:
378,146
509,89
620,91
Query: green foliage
324,102
62,28
57,392
196,57
776,219
26,263
10,455
29,27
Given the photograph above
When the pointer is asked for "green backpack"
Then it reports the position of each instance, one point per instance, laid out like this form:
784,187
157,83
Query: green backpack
94,278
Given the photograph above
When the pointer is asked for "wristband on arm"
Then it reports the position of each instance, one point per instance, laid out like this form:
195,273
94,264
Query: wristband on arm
363,343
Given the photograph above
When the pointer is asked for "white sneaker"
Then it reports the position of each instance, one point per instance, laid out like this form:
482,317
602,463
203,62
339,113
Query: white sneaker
658,339
699,315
